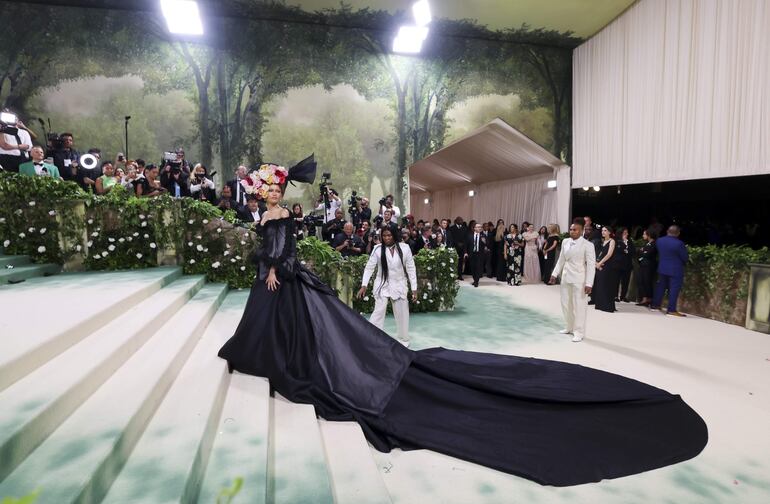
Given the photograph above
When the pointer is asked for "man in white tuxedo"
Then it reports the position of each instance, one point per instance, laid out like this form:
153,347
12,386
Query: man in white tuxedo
577,266
395,265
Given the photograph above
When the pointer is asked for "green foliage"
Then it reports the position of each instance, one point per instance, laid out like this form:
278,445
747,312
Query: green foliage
32,218
27,499
227,495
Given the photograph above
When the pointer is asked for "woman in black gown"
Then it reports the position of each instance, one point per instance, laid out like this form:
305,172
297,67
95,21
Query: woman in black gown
551,422
647,266
606,280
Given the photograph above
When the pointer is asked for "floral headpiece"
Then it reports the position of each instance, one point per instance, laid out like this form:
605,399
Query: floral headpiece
258,181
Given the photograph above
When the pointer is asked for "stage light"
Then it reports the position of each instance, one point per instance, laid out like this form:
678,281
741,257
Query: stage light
586,188
182,16
597,188
427,201
421,12
471,193
409,39
551,184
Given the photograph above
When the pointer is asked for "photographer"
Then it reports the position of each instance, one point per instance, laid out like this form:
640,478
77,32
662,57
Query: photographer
201,188
348,243
299,221
176,183
149,185
333,227
359,210
15,143
335,203
226,201
386,203
65,157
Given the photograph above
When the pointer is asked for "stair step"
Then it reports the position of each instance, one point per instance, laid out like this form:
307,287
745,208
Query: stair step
297,472
355,477
169,461
35,405
79,461
15,261
73,306
25,272
241,444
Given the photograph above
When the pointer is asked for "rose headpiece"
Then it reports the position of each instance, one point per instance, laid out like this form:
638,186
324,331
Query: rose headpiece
259,180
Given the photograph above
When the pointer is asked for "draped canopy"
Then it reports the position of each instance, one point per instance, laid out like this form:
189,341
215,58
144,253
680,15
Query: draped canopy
507,171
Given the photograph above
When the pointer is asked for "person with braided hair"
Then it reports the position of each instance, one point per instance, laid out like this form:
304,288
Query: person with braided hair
395,265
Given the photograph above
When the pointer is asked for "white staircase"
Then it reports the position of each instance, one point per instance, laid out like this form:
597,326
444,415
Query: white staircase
111,391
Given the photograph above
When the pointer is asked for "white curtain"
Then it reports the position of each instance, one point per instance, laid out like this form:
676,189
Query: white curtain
674,90
514,201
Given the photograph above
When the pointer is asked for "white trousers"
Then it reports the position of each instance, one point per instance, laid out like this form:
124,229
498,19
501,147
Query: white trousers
400,312
574,305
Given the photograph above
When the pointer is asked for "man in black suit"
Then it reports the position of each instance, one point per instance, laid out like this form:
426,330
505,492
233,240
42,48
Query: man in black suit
250,212
444,230
347,242
333,227
238,194
477,246
592,233
458,234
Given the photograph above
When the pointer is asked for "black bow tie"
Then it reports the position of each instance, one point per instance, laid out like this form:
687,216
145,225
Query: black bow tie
38,164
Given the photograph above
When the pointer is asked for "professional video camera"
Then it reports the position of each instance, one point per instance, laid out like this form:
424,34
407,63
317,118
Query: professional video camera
170,158
313,221
353,202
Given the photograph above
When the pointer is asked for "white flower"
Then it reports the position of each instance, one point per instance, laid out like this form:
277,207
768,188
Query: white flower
443,264
429,285
146,236
89,243
215,265
22,235
31,203
144,224
141,216
227,253
205,221
138,255
111,248
243,242
303,263
43,230
189,244
152,245
429,268
192,261
130,239
90,221
227,245
199,248
418,301
136,234
219,230
238,257
41,249
425,296
111,240
232,260
121,239
94,234
366,298
243,268
197,237
105,253
52,213
78,247
451,261
97,256
2,220
190,221
6,243
31,230
18,212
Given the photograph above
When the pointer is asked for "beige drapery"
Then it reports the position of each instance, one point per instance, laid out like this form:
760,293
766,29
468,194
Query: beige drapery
674,90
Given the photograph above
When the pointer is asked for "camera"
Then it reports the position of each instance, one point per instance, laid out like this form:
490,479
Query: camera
170,158
323,187
353,202
54,141
8,122
313,221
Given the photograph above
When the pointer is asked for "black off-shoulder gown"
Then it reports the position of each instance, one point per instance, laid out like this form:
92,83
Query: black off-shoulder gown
551,422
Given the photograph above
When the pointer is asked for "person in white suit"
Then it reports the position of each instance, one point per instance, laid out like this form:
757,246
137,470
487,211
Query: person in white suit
395,265
577,267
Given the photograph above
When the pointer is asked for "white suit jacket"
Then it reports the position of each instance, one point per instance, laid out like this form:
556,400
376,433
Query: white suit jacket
395,287
577,262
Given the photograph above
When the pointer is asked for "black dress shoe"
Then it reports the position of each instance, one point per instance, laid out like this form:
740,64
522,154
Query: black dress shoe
475,284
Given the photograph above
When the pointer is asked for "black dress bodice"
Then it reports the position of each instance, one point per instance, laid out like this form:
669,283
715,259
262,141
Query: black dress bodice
278,249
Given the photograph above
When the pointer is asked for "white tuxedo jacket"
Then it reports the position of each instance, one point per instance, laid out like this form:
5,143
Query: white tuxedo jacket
395,287
577,262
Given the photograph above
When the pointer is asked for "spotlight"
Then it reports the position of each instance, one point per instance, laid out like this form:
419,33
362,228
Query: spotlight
551,184
421,12
182,16
585,188
409,39
471,193
427,201
597,188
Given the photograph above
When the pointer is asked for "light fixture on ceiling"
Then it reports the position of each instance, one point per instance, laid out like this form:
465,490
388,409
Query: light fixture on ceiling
471,193
427,201
551,184
182,17
586,188
597,188
410,37
421,12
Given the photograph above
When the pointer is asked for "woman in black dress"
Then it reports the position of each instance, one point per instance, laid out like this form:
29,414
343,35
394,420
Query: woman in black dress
606,281
549,251
648,263
500,261
552,422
